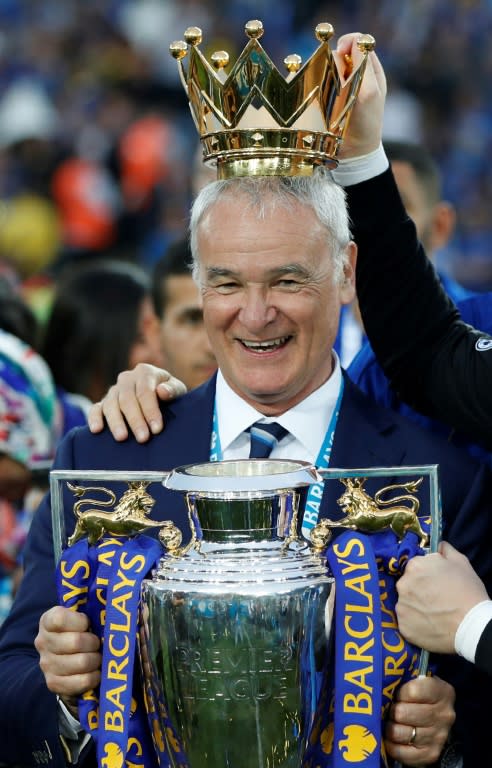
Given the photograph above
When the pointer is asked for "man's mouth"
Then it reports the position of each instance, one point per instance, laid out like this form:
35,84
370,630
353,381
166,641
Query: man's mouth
265,346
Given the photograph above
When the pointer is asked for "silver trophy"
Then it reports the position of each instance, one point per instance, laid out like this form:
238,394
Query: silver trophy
237,623
236,619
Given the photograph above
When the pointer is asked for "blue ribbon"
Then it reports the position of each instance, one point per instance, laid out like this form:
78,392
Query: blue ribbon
103,581
371,658
131,727
358,652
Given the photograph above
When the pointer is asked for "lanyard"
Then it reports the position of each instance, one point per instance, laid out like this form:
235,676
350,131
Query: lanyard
315,492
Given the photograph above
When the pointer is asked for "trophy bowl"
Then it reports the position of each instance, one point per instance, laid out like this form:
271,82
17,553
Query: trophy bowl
236,625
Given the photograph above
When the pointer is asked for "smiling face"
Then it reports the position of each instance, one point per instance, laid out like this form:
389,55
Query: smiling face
270,300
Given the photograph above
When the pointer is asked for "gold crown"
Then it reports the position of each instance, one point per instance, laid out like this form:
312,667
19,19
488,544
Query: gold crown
256,122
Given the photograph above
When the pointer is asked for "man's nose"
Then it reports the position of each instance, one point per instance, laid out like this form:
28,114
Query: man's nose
257,310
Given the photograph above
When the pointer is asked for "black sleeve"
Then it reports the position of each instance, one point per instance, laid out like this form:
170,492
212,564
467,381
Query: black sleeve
483,656
432,358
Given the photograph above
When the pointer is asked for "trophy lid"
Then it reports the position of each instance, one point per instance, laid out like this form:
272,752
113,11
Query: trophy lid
242,475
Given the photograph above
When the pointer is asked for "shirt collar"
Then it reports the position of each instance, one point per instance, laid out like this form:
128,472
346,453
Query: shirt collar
307,421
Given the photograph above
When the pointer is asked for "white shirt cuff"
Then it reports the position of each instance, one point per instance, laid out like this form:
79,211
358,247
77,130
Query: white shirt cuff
357,169
471,628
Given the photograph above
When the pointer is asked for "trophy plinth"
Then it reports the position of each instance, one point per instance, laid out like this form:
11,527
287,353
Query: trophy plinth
236,628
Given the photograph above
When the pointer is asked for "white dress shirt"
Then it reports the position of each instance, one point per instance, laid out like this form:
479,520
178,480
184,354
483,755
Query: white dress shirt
307,422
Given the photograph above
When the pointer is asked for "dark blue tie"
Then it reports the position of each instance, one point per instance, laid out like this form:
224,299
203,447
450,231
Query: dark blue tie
264,437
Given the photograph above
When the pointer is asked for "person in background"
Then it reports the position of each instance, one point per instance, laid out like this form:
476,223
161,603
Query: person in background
419,184
30,428
184,340
185,345
16,316
438,363
102,320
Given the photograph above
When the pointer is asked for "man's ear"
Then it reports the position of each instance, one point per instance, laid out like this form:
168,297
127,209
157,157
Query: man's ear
442,225
347,288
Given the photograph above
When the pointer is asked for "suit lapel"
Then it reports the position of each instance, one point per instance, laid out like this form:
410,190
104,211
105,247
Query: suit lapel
185,440
188,429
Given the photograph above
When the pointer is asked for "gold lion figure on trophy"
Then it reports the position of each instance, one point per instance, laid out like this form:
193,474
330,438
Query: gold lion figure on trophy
362,513
129,517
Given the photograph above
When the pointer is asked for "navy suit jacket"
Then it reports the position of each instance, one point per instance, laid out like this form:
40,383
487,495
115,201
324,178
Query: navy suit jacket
366,435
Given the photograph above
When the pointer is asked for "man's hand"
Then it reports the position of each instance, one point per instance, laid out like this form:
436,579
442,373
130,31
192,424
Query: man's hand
70,657
365,127
135,398
420,721
434,595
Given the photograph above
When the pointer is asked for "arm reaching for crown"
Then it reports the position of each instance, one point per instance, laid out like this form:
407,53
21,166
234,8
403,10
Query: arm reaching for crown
437,363
364,133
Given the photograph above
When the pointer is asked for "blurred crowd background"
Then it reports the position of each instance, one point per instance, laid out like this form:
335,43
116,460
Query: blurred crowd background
97,147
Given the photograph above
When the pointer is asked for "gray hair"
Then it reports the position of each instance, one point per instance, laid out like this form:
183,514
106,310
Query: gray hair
265,193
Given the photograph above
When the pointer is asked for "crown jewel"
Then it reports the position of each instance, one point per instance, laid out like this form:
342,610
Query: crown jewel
254,121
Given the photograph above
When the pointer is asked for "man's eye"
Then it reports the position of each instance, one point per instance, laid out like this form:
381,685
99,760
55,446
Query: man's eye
227,287
288,283
193,317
